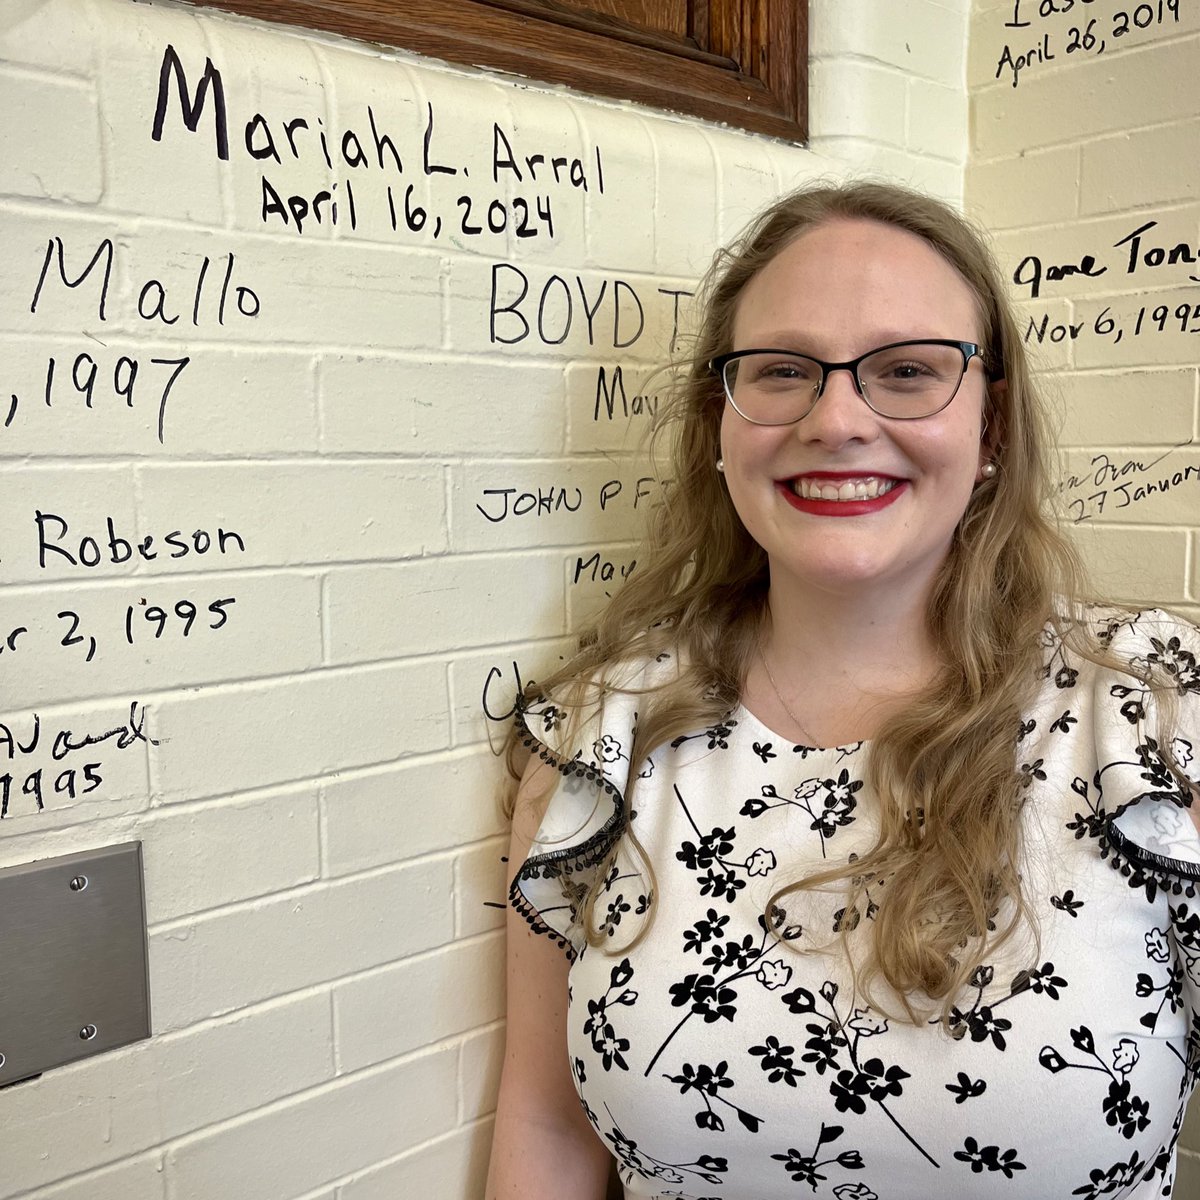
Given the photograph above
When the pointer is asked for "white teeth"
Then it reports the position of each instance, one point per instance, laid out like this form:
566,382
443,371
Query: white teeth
869,487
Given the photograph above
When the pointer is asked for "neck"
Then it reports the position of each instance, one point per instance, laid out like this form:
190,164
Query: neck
840,662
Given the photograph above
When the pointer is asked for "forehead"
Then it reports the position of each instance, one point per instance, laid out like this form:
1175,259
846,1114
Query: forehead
847,285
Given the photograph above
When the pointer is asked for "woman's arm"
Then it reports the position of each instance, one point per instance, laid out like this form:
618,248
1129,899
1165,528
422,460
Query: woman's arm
543,1148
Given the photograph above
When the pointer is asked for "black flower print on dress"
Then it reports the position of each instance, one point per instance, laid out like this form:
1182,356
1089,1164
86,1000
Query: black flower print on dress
778,1061
989,1158
980,1020
709,1082
829,802
716,736
637,1160
1115,1179
1123,1109
1067,903
807,1168
712,850
1175,661
714,999
834,1047
966,1088
599,1028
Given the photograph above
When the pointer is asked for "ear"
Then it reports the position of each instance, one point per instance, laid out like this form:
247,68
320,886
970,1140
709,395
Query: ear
991,433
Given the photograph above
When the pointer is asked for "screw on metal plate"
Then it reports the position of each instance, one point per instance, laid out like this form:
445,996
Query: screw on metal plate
79,883
1,1060
87,1033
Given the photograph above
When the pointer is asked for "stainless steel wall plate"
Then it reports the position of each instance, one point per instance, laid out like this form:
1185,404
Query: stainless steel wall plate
73,968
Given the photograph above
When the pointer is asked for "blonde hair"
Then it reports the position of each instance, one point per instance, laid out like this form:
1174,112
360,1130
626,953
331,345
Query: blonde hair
944,769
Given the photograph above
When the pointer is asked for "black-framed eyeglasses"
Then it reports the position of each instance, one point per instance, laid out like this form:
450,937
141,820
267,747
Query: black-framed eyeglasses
902,380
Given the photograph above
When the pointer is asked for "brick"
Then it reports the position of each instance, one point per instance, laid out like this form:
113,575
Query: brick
1037,188
221,853
481,1055
685,201
936,120
1174,343
249,639
298,1146
1104,94
202,413
610,405
929,39
118,761
1189,1136
215,964
27,238
366,77
1121,172
137,1179
1149,487
511,597
255,735
82,496
288,513
1044,325
439,406
939,177
121,1103
535,311
487,683
373,817
498,505
857,99
50,139
627,140
441,994
1117,250
59,35
294,88
1187,1175
178,176
592,579
446,1169
305,293
1136,566
480,883
748,179
1127,408
533,121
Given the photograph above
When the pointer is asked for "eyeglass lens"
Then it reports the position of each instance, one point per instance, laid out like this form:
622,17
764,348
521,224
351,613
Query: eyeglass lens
913,380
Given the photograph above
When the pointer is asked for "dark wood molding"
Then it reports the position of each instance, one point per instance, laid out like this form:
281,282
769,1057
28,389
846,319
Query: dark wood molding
740,62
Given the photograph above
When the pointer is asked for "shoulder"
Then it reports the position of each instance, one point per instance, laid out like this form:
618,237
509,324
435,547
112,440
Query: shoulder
588,722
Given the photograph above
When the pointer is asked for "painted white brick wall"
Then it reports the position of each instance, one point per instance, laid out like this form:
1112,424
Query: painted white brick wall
1083,130
313,786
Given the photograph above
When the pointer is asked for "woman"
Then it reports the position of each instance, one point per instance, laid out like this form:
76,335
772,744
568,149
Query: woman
866,841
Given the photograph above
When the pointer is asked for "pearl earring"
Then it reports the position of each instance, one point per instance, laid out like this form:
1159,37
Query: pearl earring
988,470
720,464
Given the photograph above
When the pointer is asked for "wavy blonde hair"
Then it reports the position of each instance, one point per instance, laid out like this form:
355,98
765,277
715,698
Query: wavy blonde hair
944,768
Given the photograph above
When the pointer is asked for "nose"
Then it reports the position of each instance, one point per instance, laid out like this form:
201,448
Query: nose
839,414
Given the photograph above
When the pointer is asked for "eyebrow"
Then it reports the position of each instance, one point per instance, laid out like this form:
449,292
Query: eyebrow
803,345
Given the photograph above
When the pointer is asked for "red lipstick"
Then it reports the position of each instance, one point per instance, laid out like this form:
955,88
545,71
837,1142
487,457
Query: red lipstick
841,508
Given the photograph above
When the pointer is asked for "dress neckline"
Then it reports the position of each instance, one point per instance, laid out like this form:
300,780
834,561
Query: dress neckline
744,714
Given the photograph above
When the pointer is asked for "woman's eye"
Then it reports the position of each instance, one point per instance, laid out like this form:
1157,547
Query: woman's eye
908,370
783,371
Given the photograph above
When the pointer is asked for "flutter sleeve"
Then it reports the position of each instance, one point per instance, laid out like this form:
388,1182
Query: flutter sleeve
586,813
1148,826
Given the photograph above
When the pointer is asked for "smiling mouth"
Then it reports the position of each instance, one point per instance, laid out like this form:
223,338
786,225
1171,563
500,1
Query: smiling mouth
866,487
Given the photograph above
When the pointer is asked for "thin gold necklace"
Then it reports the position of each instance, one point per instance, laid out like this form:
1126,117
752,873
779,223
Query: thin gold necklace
812,741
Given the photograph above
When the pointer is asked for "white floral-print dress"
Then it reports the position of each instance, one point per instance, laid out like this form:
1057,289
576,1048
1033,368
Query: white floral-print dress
715,1062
